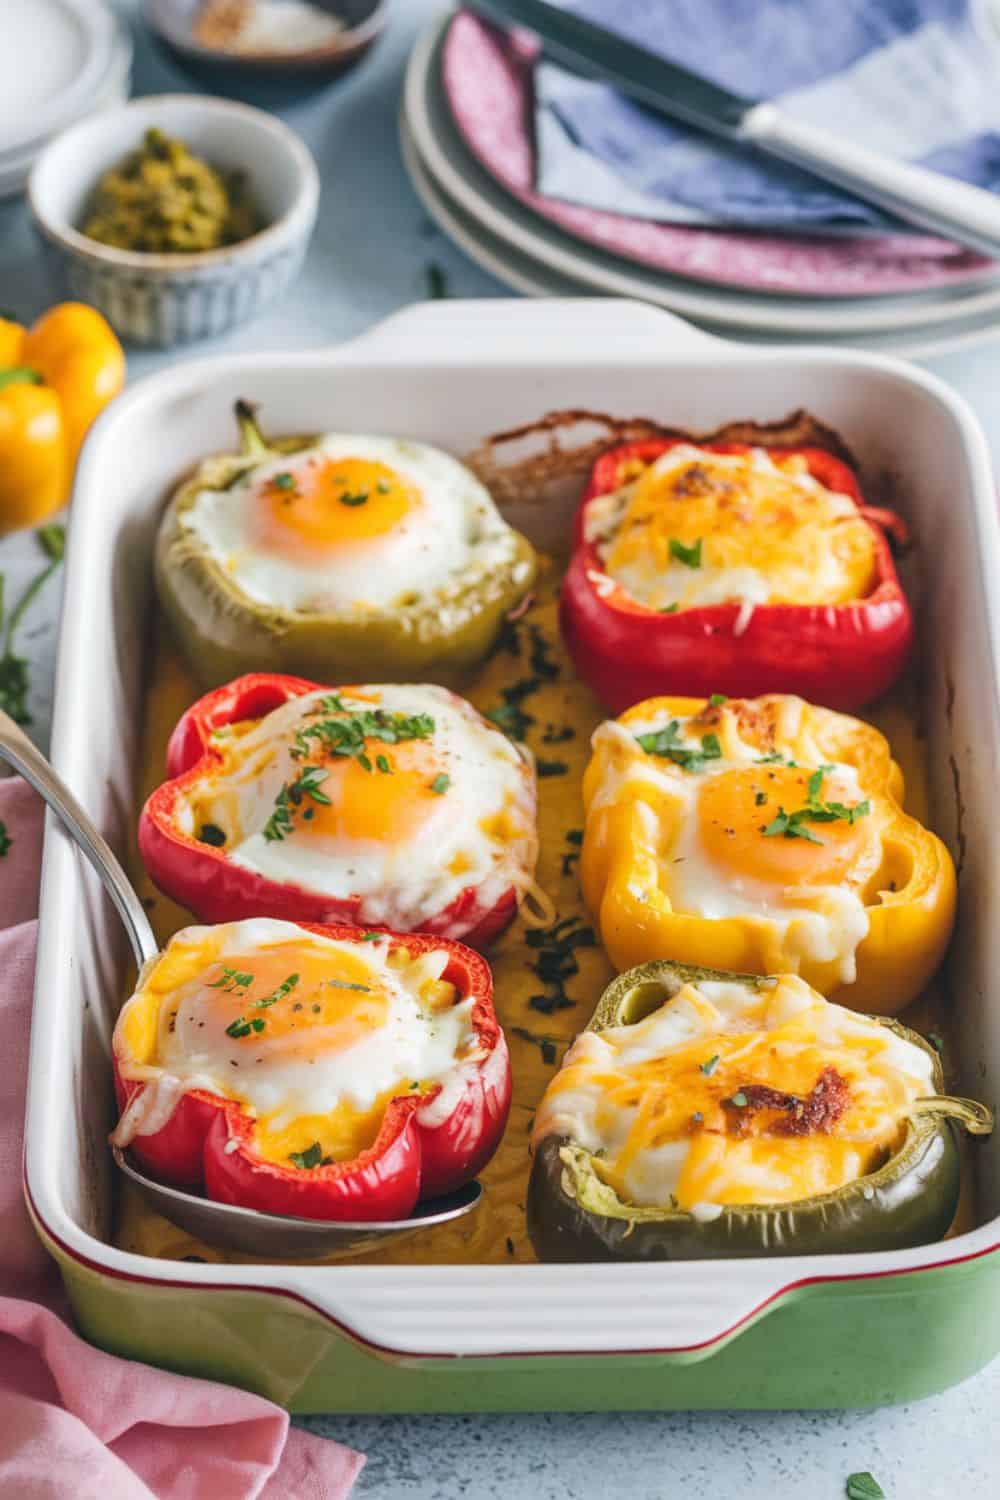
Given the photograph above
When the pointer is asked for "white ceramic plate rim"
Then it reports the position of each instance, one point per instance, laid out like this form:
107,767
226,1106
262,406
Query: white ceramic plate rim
486,202
516,270
100,25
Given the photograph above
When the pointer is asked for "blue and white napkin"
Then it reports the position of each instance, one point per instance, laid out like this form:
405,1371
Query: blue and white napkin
916,79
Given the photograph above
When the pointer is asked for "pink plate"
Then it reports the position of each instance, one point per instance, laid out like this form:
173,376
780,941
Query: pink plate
487,80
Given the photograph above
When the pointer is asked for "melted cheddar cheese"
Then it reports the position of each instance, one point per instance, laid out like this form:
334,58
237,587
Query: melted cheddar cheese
729,1093
701,528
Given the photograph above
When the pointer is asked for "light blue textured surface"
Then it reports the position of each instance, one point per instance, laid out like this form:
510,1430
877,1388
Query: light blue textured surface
369,256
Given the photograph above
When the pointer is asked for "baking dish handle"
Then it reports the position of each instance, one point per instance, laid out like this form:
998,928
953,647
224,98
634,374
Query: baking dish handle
573,329
685,1310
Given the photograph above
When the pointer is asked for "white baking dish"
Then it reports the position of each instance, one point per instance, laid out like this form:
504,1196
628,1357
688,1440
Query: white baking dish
450,373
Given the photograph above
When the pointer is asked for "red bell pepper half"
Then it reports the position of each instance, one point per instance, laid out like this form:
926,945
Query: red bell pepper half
841,656
428,1144
201,876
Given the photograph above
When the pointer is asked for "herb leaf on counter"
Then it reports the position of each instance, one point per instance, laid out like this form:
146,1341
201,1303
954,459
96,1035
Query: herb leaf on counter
863,1486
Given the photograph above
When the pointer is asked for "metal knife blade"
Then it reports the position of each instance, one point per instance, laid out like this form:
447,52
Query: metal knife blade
661,85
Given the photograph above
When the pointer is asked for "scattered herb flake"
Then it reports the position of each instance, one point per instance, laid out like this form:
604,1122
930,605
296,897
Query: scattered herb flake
211,833
545,1044
382,761
441,783
717,700
669,609
760,798
558,734
545,768
437,282
689,556
863,1486
370,937
5,840
231,980
311,1157
737,1100
556,961
665,743
709,1067
361,498
285,482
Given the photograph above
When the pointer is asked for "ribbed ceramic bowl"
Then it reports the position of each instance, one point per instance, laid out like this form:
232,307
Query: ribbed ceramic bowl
171,299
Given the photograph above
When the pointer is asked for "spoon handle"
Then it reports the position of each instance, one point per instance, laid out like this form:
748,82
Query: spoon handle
18,751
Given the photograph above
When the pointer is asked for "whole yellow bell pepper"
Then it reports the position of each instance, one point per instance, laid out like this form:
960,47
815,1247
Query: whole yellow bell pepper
55,378
743,804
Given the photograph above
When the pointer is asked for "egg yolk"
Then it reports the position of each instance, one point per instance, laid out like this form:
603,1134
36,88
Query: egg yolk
321,505
735,809
293,990
386,805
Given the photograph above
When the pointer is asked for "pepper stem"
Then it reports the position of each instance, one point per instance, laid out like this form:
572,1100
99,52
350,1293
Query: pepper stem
974,1117
19,375
252,441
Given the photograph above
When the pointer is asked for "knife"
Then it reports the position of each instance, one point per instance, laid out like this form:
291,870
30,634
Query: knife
956,210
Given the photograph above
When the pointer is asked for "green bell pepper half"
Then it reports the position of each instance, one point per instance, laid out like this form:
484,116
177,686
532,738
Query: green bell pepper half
910,1200
440,637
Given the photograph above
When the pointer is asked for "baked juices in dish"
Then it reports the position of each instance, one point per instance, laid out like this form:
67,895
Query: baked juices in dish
346,556
390,806
736,568
313,1071
763,835
705,1114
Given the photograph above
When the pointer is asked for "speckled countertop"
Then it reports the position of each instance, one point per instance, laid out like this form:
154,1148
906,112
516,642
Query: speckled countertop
369,256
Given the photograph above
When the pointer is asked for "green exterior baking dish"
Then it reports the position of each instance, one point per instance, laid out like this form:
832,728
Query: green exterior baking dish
856,1328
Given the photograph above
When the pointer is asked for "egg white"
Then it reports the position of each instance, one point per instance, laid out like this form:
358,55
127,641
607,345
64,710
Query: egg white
298,1073
403,883
455,536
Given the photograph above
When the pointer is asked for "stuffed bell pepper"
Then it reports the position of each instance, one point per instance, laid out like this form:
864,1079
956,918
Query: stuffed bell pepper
734,567
763,835
705,1115
342,556
312,1071
388,806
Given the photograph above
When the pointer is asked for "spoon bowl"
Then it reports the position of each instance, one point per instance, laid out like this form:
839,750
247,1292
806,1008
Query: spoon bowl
221,1224
279,1237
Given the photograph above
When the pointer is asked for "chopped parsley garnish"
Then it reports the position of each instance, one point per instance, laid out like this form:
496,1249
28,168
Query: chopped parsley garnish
772,758
717,700
545,1044
709,1067
509,717
5,839
441,783
311,1157
437,282
384,487
283,989
361,498
382,761
343,984
545,768
863,1486
289,799
669,609
571,856
284,482
666,744
556,961
231,979
370,937
211,833
344,731
792,825
738,1100
558,734
234,982
689,556
760,798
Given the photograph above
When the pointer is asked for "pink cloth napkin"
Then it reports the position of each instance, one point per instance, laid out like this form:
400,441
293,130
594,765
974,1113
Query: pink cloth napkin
73,1420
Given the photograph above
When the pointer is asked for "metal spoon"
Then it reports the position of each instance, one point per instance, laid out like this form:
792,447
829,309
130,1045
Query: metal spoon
244,1229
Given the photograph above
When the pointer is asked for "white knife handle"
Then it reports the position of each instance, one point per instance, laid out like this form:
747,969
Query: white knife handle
953,209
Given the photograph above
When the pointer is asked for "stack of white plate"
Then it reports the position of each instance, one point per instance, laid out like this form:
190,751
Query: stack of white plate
59,60
467,142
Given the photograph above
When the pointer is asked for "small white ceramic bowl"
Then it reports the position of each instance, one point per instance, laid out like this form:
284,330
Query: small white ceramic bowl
170,299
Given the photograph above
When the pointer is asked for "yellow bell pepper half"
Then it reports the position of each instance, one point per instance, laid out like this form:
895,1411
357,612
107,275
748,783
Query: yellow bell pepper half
55,378
638,798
